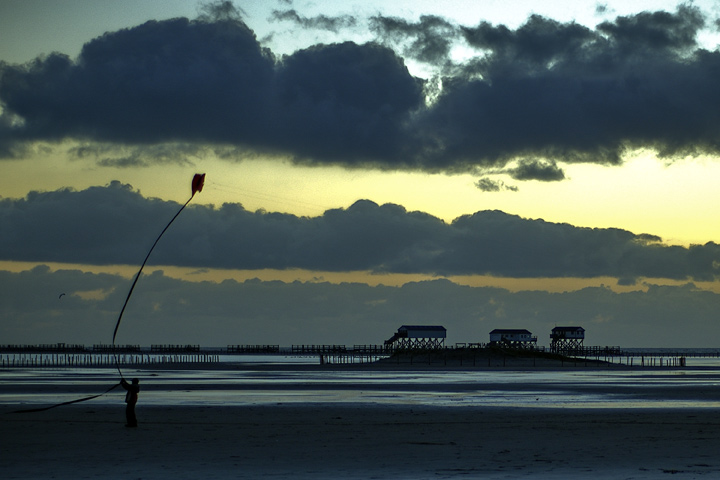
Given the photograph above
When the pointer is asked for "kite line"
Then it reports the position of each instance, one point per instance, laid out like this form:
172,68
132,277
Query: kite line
42,409
197,185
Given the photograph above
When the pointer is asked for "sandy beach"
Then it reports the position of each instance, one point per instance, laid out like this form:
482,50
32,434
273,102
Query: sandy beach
323,441
365,428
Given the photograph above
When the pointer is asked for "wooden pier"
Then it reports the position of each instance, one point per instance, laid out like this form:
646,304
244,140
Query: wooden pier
91,360
100,356
62,355
672,358
253,349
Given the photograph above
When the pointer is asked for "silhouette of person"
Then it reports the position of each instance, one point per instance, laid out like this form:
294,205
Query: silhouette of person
131,398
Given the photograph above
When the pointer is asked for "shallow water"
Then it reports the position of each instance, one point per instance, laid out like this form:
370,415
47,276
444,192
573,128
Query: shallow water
244,385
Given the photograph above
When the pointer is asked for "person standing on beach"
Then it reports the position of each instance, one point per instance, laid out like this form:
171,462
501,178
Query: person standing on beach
131,398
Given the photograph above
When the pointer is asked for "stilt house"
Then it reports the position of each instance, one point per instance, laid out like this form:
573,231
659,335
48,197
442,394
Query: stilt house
567,339
512,337
418,337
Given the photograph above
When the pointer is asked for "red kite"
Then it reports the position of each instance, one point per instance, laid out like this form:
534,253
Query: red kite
198,182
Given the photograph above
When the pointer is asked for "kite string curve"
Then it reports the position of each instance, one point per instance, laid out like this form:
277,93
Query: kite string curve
137,277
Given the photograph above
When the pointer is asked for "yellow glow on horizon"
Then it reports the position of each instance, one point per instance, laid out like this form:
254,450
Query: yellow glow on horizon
677,202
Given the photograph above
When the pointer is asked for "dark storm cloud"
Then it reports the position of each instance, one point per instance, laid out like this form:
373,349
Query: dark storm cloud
194,81
566,92
118,224
170,311
344,101
158,82
547,90
656,32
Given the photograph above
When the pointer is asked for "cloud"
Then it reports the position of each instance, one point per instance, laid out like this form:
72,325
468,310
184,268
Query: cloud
537,170
220,10
525,169
181,81
118,225
548,91
134,156
320,22
154,83
656,32
165,310
565,92
344,101
601,8
488,185
429,40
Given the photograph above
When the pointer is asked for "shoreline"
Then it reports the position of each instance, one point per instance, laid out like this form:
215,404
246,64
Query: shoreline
253,384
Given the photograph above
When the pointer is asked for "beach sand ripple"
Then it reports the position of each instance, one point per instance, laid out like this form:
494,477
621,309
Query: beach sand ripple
323,441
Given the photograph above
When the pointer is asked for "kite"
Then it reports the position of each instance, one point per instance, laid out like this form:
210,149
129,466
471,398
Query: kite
197,184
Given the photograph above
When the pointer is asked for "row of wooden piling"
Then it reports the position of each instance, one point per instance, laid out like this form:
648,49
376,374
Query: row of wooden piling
643,361
102,360
441,358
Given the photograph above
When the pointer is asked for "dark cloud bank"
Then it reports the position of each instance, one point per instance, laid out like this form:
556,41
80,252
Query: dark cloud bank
164,310
116,225
545,91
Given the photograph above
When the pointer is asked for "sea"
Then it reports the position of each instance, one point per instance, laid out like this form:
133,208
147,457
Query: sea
285,379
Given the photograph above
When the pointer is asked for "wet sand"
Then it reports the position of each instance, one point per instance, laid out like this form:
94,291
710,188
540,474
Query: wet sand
323,441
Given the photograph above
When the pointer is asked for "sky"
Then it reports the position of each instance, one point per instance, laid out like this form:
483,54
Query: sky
477,165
